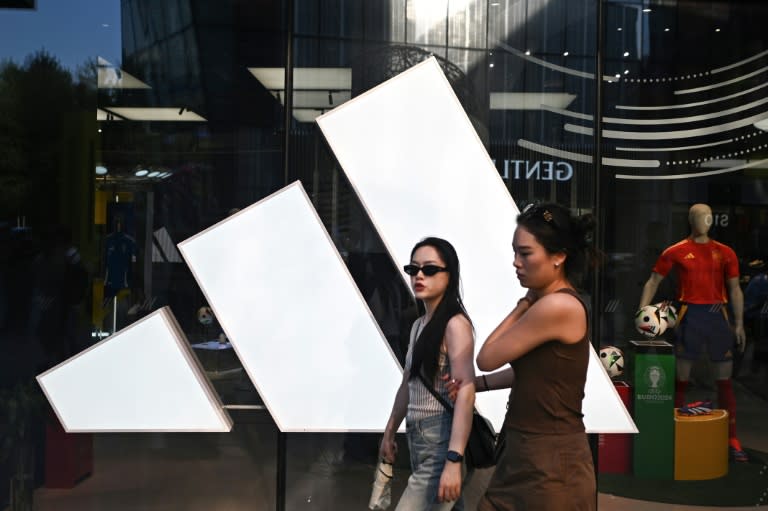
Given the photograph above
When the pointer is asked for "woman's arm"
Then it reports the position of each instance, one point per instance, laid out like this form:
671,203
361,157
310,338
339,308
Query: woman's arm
556,316
504,379
459,342
512,318
388,448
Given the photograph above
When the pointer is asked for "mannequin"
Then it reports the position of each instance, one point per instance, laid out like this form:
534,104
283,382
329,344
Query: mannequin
708,279
120,252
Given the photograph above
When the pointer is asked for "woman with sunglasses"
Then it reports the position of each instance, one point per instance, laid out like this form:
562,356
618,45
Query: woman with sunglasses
547,462
441,343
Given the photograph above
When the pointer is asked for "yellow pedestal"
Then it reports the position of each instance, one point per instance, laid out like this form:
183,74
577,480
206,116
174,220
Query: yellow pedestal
701,446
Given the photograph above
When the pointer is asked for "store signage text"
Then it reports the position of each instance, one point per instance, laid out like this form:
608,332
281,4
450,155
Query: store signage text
720,219
537,170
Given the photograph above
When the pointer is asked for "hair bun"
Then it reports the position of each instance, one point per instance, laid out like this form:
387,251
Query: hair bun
585,230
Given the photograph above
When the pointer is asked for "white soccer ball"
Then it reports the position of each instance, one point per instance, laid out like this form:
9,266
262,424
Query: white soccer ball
613,360
648,321
668,314
205,315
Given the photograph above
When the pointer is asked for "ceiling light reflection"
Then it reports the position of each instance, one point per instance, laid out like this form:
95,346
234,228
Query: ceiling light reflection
315,78
170,114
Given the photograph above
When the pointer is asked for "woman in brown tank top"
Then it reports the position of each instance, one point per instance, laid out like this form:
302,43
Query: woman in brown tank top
547,463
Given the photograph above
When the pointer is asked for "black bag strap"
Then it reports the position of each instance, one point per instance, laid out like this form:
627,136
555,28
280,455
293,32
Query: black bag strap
440,398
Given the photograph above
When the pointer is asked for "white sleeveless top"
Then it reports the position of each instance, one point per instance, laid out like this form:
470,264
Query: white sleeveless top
421,402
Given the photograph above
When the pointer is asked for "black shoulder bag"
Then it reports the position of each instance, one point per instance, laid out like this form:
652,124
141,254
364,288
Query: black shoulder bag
484,446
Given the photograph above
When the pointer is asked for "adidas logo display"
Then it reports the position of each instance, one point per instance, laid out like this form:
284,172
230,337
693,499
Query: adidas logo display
260,266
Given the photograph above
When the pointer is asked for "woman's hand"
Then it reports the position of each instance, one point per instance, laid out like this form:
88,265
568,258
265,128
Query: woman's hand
450,482
388,447
452,385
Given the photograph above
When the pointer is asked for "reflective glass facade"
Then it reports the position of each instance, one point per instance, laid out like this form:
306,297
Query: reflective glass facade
136,124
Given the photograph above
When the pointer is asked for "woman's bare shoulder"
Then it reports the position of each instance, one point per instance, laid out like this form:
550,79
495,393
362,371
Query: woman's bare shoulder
458,325
563,312
557,304
459,321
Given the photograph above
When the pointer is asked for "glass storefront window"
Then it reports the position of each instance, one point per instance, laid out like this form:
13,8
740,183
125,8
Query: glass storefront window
129,126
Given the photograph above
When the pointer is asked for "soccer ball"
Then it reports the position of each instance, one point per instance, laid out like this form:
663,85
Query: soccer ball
648,321
613,360
668,314
205,315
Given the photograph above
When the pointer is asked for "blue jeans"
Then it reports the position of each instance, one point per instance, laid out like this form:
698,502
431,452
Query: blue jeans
428,443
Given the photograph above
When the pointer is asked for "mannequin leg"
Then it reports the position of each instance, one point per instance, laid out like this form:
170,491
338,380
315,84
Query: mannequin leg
727,400
681,381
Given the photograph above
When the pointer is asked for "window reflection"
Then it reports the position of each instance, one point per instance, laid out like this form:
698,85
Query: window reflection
189,102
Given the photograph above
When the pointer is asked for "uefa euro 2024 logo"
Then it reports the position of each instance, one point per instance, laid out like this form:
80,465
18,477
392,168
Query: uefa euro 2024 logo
655,377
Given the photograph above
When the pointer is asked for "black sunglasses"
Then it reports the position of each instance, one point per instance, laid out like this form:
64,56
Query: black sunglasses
428,270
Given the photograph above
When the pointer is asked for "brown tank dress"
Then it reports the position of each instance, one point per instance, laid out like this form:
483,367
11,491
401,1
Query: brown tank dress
547,463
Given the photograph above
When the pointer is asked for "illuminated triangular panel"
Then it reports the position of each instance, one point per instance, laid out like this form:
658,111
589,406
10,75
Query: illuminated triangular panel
419,168
295,317
140,379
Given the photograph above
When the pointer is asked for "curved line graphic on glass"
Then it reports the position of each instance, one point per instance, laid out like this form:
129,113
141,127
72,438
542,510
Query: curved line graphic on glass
610,78
549,65
681,148
662,135
586,158
740,63
723,84
695,174
656,121
703,73
695,104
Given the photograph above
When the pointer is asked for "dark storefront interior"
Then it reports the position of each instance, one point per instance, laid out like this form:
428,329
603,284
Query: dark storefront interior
204,108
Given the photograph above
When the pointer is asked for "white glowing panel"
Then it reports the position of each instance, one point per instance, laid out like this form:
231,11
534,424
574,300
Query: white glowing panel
420,169
603,409
300,326
140,379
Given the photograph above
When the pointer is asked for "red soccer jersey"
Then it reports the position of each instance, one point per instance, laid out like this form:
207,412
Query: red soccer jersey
702,268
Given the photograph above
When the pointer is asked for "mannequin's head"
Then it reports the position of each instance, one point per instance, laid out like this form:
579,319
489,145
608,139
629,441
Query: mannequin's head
700,219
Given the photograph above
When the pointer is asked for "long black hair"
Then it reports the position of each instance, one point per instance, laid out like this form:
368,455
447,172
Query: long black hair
426,351
557,231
